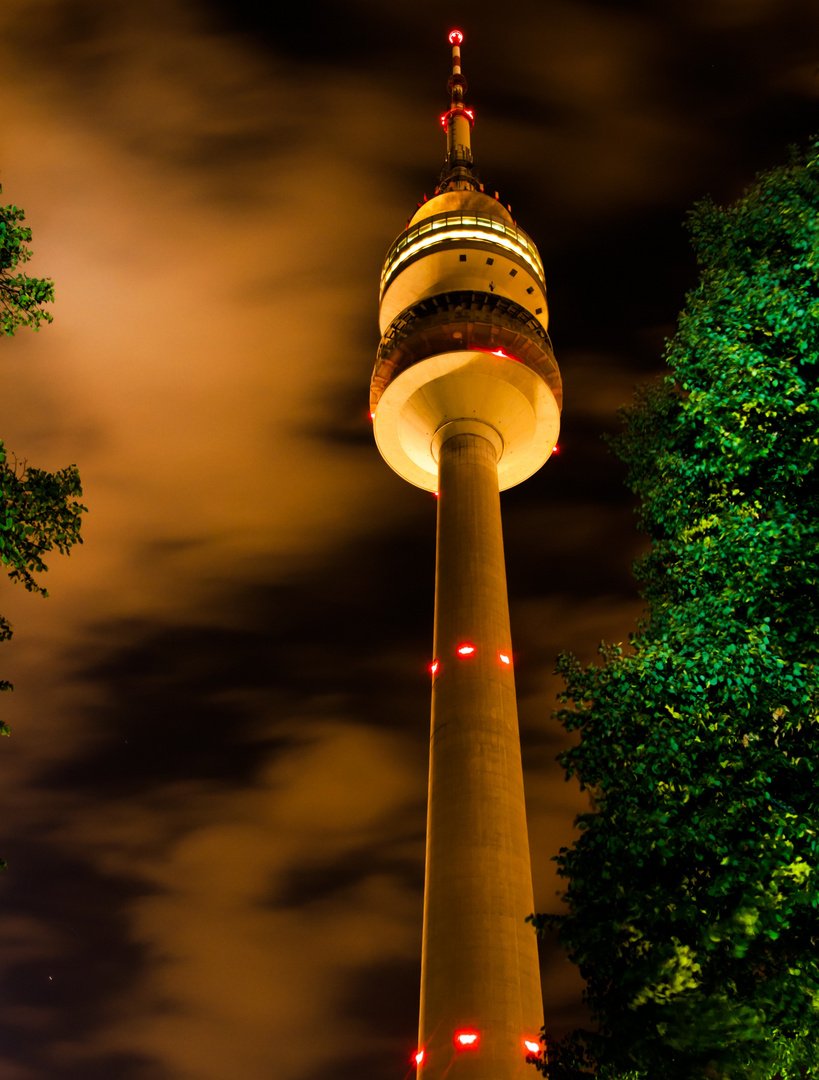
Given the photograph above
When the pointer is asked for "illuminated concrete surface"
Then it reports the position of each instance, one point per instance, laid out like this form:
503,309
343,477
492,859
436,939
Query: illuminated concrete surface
510,397
479,964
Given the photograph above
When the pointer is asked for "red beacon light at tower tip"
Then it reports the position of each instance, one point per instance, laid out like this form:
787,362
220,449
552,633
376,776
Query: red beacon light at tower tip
456,37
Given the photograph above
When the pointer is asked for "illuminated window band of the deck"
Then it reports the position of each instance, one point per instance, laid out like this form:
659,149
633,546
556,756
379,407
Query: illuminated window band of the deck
461,227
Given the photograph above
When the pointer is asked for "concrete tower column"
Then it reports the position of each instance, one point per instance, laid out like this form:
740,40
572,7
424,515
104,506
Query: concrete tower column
465,401
479,962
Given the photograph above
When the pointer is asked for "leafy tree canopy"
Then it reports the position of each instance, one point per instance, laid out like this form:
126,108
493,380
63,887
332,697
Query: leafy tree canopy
21,297
39,511
693,890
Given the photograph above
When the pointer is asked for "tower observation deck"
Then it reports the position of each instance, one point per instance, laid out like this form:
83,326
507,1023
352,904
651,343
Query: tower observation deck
465,399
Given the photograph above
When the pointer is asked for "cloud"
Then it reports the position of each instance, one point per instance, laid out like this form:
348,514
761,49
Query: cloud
199,339
215,228
232,971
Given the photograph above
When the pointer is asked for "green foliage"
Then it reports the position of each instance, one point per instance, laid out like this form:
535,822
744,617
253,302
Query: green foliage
41,515
39,511
21,297
693,891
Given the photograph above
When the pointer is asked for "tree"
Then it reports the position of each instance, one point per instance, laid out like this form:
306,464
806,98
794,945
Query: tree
39,511
21,297
693,890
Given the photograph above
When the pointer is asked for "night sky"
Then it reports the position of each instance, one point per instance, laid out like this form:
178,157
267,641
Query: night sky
214,797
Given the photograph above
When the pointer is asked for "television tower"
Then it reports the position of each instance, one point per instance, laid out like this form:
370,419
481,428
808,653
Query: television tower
465,400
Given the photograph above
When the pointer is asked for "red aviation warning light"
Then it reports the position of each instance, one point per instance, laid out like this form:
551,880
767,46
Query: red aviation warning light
467,1039
457,110
504,658
456,37
433,667
418,1057
531,1046
466,649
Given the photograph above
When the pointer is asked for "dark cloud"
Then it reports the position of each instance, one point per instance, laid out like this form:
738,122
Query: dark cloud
67,957
205,701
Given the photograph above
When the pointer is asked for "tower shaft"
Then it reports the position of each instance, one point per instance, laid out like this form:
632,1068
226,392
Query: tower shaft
465,401
479,961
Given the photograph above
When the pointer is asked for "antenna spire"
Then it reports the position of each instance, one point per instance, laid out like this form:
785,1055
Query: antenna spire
457,122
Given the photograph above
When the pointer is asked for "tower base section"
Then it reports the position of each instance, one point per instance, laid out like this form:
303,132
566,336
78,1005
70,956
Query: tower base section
480,992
